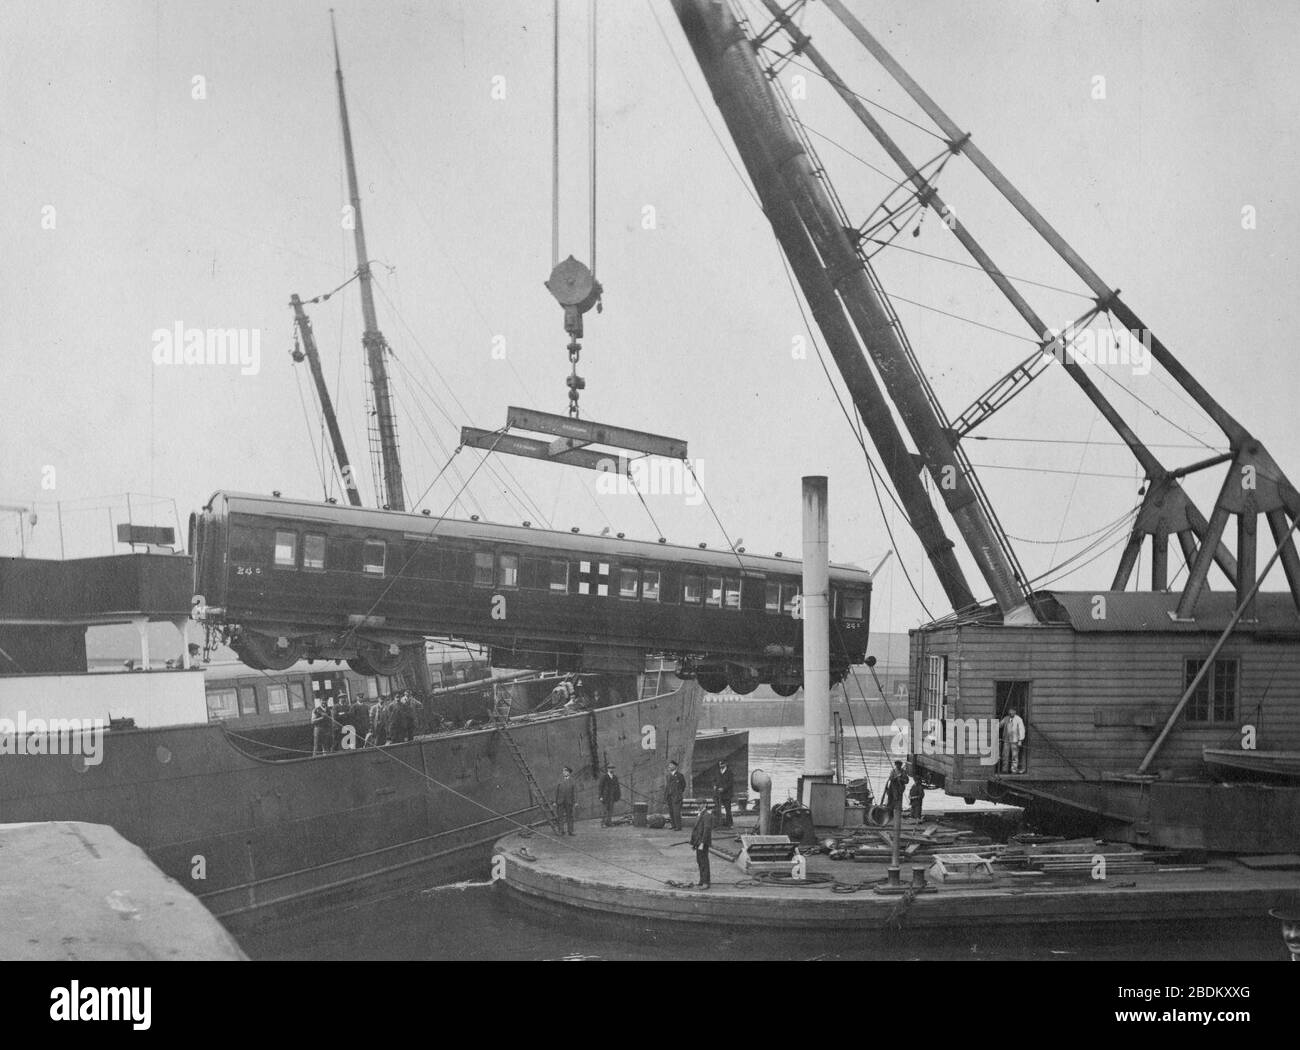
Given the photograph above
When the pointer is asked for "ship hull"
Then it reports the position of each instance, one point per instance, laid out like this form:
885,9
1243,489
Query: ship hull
256,839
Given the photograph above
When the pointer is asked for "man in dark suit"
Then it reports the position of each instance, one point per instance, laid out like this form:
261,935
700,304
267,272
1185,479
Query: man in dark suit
609,793
673,793
724,784
701,840
564,801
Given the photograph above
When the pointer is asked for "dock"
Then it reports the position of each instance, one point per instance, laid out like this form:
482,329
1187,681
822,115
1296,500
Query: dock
645,875
77,891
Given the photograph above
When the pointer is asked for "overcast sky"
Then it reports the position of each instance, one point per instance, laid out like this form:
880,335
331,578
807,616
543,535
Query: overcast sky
132,206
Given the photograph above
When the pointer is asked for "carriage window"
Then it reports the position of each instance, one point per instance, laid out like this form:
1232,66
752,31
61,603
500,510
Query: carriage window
731,585
627,581
713,590
297,699
482,569
650,585
508,570
313,551
286,549
222,704
372,557
243,545
772,601
789,598
691,588
247,700
277,698
851,606
560,576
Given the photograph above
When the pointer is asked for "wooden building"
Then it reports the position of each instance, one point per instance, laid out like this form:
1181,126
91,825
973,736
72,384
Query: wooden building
1096,683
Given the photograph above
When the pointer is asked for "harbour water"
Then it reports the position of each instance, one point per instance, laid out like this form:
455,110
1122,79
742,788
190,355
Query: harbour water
478,921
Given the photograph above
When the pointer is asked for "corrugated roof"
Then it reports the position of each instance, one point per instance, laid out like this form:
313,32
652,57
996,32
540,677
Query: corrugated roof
1128,611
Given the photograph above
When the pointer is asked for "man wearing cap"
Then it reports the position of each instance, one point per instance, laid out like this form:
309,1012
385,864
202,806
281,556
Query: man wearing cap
564,801
673,793
724,785
609,793
701,840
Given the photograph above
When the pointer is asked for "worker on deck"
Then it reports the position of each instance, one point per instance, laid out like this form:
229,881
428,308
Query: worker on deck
609,793
564,802
701,841
321,734
673,793
724,785
894,788
917,798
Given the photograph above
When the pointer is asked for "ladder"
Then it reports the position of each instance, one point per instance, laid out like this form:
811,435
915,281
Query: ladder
543,801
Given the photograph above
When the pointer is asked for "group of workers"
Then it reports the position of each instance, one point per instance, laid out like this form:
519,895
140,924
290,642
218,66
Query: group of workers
345,726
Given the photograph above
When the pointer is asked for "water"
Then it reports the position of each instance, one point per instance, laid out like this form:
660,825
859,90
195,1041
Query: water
477,921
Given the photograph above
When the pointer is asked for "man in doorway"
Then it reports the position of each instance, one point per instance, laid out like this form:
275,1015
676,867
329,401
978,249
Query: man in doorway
609,793
321,733
701,840
1013,737
564,801
673,793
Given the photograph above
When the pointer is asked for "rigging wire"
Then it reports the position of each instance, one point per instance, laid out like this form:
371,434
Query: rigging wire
591,72
976,266
555,133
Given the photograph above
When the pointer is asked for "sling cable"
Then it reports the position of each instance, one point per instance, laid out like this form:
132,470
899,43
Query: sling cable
573,284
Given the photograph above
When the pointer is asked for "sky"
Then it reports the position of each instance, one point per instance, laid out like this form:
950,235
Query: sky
181,163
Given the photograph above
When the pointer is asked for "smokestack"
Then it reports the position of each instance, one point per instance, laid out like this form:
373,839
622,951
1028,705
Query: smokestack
816,631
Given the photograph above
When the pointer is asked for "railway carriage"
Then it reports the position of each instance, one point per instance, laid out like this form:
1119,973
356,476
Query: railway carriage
285,579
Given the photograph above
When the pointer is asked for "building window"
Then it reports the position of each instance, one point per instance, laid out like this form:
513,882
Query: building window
222,703
508,570
560,576
731,588
277,699
313,551
1215,698
713,590
372,557
297,699
286,550
934,689
650,585
692,586
482,569
247,700
627,583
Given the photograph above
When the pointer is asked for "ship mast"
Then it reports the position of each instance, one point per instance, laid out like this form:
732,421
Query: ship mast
388,479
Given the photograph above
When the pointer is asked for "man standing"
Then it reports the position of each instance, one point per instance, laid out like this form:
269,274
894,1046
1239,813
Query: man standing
724,783
321,735
673,793
894,788
564,801
917,797
1014,735
609,793
701,840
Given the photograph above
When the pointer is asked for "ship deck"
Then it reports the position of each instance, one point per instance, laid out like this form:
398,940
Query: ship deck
642,875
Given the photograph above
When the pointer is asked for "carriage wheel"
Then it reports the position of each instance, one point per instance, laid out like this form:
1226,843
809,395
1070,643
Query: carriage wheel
786,683
263,653
743,680
379,657
360,666
712,681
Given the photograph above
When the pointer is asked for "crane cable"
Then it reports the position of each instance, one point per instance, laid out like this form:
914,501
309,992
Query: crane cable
555,130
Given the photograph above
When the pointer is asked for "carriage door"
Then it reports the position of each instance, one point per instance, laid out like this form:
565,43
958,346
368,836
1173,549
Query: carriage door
1015,694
